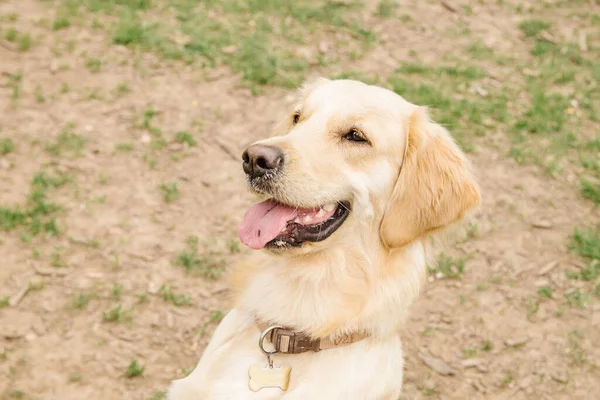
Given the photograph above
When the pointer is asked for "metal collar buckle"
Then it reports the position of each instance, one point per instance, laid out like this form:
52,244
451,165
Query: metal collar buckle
290,342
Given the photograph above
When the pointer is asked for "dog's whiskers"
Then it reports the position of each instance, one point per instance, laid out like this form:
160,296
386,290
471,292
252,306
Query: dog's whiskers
342,205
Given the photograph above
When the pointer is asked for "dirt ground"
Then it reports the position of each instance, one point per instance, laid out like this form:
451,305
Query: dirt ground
141,155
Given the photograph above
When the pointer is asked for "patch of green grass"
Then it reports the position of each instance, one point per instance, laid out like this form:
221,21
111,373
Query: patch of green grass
6,146
56,258
117,314
157,143
131,31
386,8
564,77
75,377
544,132
479,50
111,6
148,115
38,214
464,116
577,298
82,300
532,306
487,345
4,300
121,89
449,267
233,246
216,316
169,191
92,243
134,369
208,265
116,292
355,75
271,68
14,81
124,147
142,297
94,94
94,65
150,161
97,24
576,351
586,242
16,395
546,114
185,137
593,144
262,52
508,379
11,34
25,42
469,353
533,27
64,88
468,73
542,48
429,391
591,272
61,22
590,190
545,291
39,94
67,143
158,396
178,300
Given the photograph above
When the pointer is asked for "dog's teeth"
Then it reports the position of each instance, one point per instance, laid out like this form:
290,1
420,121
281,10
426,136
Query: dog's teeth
321,212
328,207
307,219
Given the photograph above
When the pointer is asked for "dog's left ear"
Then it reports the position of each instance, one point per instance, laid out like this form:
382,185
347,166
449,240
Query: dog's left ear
435,186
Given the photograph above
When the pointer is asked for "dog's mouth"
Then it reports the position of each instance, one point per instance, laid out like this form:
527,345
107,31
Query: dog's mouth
276,225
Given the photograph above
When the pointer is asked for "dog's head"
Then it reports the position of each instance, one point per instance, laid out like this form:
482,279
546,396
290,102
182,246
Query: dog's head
354,162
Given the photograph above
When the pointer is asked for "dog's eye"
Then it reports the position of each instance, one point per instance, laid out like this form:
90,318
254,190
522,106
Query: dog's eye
296,118
354,136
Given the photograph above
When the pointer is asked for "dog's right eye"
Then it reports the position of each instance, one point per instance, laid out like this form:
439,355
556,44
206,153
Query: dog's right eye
296,118
354,136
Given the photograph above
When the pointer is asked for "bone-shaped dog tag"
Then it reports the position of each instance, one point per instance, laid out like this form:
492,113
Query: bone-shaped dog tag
266,376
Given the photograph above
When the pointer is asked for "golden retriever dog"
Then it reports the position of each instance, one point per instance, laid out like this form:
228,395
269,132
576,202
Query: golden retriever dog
358,179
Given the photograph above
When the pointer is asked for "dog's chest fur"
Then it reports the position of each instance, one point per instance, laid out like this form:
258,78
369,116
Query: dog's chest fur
373,368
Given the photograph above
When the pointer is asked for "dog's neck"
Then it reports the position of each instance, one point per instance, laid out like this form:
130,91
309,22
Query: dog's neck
335,292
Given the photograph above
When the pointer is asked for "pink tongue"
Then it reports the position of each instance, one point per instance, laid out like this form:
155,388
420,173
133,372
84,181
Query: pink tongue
263,222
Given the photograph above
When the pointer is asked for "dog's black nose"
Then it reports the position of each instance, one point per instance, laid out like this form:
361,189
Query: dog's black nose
259,159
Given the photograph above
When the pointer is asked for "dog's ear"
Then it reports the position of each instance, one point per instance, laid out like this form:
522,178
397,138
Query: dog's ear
435,186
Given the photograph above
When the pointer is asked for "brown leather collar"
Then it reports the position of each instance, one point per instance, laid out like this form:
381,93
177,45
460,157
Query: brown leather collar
291,342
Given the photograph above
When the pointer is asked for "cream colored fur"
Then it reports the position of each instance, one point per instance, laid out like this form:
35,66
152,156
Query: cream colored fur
411,180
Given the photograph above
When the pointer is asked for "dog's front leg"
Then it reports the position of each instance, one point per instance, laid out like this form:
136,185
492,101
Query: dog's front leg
199,383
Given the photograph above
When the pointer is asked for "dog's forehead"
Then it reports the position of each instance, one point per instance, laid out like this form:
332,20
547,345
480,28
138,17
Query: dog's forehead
348,96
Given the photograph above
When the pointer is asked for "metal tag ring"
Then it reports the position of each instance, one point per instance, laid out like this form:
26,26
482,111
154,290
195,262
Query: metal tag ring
262,339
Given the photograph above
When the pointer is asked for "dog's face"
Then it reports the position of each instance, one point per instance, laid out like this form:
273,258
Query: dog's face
356,157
